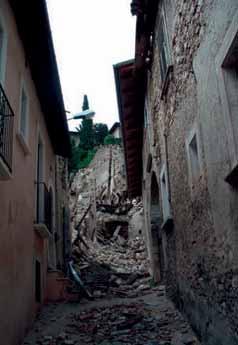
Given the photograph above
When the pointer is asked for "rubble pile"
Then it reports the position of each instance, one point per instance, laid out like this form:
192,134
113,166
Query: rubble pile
122,325
109,255
120,267
133,323
151,320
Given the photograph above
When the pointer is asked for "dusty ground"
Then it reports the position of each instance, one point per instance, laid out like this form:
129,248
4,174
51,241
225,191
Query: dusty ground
150,319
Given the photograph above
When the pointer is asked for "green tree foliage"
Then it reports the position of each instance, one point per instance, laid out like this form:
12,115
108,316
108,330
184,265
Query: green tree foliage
84,163
110,140
100,132
90,137
78,154
86,134
80,158
85,103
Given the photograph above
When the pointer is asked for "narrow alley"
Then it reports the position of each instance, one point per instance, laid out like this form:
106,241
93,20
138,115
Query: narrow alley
110,296
150,319
133,312
118,172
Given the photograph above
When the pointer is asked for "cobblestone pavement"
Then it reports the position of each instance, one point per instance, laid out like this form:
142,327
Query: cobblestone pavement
150,319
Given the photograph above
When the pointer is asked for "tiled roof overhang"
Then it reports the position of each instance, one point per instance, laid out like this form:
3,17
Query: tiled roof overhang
146,12
34,29
130,91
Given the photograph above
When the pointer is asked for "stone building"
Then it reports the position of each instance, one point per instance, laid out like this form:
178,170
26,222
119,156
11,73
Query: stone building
34,144
115,130
178,105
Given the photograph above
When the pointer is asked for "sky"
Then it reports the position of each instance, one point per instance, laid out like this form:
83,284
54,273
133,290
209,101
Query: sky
89,37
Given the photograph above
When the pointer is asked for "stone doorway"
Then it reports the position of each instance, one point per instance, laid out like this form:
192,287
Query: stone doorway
156,236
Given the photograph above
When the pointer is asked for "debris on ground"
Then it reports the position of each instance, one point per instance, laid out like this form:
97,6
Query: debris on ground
119,267
109,255
150,320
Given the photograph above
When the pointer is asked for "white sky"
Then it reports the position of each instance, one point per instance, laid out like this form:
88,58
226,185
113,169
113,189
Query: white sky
89,37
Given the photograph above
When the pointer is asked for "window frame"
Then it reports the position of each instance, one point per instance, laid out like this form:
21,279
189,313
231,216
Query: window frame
3,49
193,178
225,82
168,68
164,187
23,136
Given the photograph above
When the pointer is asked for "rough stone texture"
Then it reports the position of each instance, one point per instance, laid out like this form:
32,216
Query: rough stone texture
151,319
200,253
104,181
136,220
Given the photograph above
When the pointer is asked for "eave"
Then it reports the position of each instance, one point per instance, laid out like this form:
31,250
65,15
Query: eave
130,91
34,30
146,12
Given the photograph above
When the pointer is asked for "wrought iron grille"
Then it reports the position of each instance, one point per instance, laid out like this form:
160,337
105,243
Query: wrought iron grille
43,205
6,129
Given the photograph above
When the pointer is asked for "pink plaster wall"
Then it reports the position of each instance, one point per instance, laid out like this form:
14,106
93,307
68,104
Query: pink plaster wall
17,199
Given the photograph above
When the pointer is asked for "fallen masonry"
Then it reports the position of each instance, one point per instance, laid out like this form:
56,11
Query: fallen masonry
113,299
112,259
150,319
114,269
126,306
109,256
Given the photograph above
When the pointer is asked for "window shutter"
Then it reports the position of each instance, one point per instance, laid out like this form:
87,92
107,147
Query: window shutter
23,123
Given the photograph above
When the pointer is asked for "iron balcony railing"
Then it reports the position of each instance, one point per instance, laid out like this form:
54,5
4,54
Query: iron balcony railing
6,129
43,205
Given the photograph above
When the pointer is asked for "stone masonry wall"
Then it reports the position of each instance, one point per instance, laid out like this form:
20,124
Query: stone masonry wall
204,213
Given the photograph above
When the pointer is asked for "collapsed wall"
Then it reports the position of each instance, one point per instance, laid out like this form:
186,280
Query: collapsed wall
99,193
107,226
101,185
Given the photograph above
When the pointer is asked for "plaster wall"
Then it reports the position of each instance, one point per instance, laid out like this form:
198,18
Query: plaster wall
117,133
63,230
18,246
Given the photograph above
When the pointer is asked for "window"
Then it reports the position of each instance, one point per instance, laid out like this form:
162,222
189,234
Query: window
194,160
165,194
193,154
145,118
3,49
23,113
41,190
149,163
164,50
1,46
24,120
227,71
